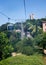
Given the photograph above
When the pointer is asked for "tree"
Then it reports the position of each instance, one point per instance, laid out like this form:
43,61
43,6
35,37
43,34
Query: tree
3,27
25,46
40,42
43,41
5,47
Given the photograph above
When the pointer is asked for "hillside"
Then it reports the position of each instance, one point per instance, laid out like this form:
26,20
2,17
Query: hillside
11,34
29,26
23,60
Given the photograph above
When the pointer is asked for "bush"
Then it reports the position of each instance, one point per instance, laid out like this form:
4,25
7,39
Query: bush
28,50
5,47
25,46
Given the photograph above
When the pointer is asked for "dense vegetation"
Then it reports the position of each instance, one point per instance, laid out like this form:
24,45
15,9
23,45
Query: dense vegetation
5,47
24,60
10,41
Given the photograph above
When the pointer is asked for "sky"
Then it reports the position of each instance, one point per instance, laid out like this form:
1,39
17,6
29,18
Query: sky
15,9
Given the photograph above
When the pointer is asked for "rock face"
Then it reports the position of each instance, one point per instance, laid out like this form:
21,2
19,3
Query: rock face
15,54
44,51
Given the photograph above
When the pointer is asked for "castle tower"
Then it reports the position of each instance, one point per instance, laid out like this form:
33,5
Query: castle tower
32,16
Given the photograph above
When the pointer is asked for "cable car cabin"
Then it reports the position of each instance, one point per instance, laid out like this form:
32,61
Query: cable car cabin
10,27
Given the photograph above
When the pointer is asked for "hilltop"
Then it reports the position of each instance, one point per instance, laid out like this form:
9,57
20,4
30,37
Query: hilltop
23,60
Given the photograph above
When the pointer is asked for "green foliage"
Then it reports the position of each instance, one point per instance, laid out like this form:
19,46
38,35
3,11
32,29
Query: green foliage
43,19
28,25
5,47
43,41
40,42
3,27
24,60
25,46
28,50
38,38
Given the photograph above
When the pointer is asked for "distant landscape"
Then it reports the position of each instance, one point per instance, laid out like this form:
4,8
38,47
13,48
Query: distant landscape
22,32
30,46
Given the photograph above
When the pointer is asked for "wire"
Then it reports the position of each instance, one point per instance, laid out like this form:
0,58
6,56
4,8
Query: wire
4,15
15,19
9,18
25,8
